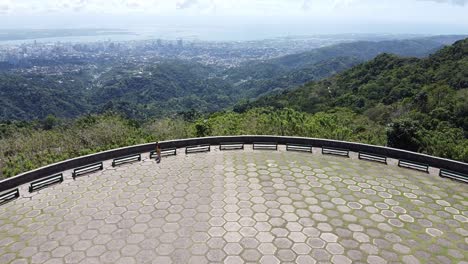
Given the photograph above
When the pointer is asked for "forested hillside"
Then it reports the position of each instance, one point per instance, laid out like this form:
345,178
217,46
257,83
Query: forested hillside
297,69
424,102
24,97
172,86
361,50
165,88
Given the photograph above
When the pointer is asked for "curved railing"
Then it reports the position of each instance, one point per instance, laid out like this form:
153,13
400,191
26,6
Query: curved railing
446,166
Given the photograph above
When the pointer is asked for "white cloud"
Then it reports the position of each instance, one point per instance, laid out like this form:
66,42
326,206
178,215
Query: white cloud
223,6
151,6
186,4
5,6
453,2
307,4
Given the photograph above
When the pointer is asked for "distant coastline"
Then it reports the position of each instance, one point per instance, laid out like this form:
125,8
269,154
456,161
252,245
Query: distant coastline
174,32
18,35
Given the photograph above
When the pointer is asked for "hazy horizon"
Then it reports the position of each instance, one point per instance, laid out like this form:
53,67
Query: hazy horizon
255,18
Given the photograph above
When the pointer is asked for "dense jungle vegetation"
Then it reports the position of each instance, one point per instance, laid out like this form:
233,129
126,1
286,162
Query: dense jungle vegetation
170,86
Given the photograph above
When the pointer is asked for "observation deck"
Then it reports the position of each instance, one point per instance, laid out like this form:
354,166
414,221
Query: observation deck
240,206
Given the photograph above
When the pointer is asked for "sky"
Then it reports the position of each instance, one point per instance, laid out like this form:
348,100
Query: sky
336,16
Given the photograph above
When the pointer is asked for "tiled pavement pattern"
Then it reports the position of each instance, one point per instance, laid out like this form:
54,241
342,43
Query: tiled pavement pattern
241,207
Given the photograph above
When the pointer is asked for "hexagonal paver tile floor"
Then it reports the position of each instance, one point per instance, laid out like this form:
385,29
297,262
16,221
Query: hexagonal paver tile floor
241,207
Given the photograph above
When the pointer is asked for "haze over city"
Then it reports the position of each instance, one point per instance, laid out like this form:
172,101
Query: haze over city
255,19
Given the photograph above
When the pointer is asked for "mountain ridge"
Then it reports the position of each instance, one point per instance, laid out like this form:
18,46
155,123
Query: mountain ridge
173,86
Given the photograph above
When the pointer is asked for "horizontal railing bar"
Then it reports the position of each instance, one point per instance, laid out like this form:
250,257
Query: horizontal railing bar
231,145
335,151
164,152
301,148
87,169
265,145
9,196
198,148
126,159
413,165
453,175
42,183
372,157
88,166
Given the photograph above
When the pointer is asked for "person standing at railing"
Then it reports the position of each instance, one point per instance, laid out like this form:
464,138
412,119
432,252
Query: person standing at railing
158,152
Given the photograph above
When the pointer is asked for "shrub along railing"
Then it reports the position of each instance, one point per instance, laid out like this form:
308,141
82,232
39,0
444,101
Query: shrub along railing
91,163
